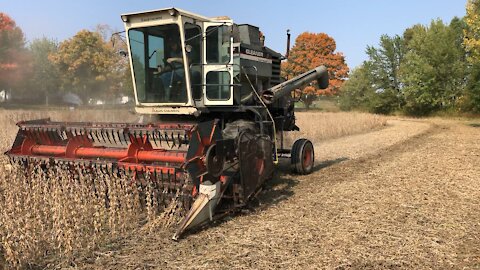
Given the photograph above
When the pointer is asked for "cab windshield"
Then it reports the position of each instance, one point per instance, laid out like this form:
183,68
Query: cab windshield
158,64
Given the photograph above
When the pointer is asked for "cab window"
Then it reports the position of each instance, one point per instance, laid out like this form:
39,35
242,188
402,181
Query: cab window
218,45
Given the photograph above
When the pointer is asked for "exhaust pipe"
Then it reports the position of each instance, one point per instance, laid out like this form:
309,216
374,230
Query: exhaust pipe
288,44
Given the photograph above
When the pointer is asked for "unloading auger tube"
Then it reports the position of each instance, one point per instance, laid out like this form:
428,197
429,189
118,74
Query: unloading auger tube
320,74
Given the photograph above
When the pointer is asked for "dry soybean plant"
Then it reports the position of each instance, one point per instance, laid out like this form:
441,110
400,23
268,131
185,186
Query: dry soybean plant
57,213
324,125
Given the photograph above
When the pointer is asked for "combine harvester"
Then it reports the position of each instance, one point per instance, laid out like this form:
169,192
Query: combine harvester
217,112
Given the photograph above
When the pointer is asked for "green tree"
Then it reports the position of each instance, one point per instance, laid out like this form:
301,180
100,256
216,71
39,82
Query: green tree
88,65
419,73
433,70
472,45
357,91
375,86
472,31
384,64
45,76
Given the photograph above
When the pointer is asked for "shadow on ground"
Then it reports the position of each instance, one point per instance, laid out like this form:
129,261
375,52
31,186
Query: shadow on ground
281,186
328,163
284,166
278,189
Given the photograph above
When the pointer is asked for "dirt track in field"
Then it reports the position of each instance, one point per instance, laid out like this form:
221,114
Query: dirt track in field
406,196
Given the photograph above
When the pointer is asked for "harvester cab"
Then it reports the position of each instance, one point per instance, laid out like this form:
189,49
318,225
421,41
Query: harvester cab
181,62
218,109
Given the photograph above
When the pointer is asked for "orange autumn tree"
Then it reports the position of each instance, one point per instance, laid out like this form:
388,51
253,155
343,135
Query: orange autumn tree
13,55
310,51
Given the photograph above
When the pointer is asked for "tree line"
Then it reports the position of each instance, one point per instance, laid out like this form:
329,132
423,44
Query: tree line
90,66
430,68
87,65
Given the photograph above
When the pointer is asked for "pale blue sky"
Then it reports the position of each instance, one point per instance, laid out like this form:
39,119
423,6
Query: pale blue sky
353,24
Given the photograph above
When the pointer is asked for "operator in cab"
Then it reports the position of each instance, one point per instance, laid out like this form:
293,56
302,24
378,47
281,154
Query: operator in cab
172,74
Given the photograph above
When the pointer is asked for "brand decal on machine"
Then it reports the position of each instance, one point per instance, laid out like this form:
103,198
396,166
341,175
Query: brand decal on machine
165,110
253,55
151,19
253,52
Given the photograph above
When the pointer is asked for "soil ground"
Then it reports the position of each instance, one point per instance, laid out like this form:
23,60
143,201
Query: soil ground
406,196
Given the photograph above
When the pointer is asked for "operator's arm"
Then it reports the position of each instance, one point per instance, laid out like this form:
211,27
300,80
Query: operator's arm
175,59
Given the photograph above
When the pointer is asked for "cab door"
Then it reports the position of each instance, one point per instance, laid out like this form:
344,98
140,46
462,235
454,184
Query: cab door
218,68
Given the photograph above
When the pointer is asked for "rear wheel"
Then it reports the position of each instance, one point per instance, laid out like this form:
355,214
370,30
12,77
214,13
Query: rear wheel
302,156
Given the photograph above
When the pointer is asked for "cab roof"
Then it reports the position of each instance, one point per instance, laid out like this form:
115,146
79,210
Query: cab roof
180,12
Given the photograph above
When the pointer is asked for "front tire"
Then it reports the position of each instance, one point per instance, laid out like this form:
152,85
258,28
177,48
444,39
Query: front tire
302,156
